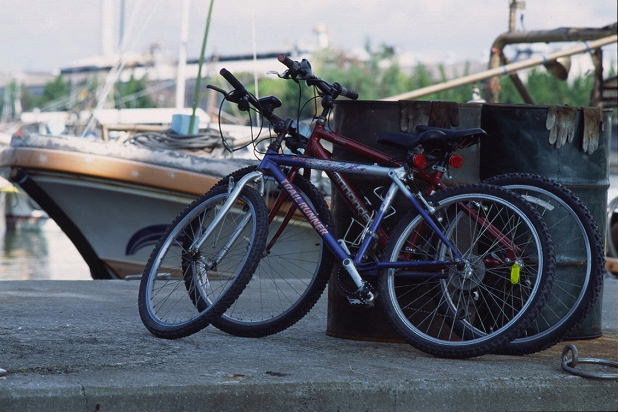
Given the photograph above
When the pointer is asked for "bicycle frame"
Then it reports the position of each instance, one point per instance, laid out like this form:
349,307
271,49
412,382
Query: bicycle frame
353,198
321,160
355,201
271,163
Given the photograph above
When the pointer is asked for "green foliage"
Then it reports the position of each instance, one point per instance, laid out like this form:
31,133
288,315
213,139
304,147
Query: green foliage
381,76
54,90
132,94
547,89
375,77
28,101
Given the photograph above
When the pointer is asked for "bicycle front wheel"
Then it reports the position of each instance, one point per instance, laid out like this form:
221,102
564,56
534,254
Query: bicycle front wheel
202,263
294,269
487,299
580,264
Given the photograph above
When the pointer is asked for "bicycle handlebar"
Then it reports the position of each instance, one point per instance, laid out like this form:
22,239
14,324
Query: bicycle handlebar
302,70
296,70
231,79
350,94
239,89
289,63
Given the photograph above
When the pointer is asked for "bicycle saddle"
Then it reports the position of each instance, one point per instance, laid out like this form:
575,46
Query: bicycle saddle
447,139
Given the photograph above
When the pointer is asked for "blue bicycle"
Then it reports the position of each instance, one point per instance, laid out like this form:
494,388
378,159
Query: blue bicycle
464,271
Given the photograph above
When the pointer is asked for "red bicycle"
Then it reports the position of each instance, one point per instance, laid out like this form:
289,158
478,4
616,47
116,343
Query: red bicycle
296,258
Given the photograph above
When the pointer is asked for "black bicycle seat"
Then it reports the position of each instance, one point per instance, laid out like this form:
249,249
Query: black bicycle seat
448,139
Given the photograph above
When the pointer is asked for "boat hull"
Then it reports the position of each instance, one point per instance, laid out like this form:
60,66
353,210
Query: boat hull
113,209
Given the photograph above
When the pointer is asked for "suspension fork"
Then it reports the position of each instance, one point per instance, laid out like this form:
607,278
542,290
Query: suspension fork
197,243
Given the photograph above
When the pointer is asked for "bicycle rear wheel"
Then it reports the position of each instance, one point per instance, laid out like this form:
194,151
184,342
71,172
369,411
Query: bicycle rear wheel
294,269
488,299
185,285
580,264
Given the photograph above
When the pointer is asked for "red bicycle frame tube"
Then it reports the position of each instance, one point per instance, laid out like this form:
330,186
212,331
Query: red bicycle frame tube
354,200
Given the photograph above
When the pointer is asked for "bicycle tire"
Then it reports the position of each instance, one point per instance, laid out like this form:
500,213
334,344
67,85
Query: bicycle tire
572,297
611,239
447,317
286,284
226,260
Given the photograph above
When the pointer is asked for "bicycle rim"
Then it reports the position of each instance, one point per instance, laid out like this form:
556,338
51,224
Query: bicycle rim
481,303
292,273
185,286
574,263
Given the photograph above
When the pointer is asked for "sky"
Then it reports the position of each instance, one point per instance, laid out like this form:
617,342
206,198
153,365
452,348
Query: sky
44,35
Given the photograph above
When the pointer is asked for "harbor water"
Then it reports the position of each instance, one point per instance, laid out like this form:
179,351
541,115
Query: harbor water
38,252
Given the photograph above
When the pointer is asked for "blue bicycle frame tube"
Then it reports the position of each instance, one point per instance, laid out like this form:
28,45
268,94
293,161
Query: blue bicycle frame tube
270,165
271,161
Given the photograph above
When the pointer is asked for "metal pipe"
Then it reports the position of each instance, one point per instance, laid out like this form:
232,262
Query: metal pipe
519,85
562,34
503,70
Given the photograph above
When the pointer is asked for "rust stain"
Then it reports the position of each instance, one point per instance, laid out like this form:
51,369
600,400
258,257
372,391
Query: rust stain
112,168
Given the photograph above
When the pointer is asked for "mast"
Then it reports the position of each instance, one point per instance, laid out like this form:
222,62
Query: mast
107,27
182,54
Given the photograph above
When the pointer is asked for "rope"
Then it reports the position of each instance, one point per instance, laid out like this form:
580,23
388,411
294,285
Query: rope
170,140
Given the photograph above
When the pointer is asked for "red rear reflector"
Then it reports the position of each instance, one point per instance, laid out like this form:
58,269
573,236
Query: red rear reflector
456,161
419,161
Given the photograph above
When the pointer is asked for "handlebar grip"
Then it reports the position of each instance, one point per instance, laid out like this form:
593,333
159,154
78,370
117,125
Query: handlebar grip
289,63
350,94
342,91
232,80
213,87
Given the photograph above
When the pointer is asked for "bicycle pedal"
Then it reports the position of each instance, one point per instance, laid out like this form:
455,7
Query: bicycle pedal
360,302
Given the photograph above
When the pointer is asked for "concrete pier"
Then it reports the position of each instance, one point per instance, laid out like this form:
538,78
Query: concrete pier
80,346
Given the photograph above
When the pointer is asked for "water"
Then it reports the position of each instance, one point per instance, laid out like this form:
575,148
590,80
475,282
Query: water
42,253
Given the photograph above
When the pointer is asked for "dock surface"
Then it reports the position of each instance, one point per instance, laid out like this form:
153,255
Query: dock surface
80,346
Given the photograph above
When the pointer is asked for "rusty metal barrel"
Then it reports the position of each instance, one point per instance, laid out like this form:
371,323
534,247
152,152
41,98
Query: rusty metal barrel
566,144
364,121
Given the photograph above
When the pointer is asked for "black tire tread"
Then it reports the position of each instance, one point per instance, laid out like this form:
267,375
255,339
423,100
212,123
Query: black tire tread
280,323
467,350
233,291
595,284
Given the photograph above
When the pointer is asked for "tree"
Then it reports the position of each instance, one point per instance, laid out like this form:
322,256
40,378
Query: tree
546,89
55,90
133,94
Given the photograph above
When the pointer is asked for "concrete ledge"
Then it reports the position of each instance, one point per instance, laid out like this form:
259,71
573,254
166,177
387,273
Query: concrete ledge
80,346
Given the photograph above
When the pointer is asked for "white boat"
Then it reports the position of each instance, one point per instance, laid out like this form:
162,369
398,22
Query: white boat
113,200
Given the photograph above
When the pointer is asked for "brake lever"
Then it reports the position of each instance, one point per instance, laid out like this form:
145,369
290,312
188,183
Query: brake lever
218,89
285,74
